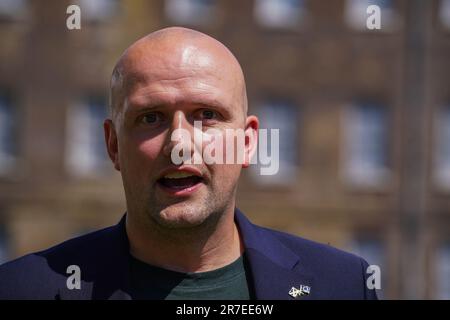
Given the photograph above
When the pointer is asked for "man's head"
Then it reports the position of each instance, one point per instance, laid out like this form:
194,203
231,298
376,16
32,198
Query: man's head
163,82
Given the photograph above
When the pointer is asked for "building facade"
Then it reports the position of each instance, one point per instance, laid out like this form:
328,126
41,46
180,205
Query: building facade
364,119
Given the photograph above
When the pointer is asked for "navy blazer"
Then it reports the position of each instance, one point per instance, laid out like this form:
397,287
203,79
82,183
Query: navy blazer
277,262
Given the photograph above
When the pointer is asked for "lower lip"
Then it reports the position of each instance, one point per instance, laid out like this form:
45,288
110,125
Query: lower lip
180,192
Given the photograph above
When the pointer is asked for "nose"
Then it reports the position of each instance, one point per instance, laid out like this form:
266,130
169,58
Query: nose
180,134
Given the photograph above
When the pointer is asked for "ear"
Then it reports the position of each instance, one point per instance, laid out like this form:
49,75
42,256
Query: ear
251,139
111,142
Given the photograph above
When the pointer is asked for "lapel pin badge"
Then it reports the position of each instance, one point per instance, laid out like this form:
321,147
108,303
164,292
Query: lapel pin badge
302,291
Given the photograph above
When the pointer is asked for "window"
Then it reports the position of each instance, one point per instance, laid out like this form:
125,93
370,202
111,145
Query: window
444,13
365,149
8,138
356,13
192,12
98,10
279,13
4,248
371,250
12,9
86,151
442,148
282,116
443,272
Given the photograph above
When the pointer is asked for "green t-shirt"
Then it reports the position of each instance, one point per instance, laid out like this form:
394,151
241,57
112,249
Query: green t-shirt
226,283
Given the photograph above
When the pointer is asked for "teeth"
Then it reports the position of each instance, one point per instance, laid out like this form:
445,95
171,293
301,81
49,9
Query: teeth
178,175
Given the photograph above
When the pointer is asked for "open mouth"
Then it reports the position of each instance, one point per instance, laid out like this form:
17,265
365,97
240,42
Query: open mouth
179,180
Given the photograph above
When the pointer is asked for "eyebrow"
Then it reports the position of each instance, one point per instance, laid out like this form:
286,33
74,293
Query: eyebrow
149,107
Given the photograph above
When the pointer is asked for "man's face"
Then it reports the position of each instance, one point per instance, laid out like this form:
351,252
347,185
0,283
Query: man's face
163,93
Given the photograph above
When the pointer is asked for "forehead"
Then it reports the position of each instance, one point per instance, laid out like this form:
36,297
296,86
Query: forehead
158,75
154,62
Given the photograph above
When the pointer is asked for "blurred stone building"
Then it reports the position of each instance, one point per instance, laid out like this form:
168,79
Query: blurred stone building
364,119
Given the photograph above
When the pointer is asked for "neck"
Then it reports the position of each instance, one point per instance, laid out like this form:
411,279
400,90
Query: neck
209,246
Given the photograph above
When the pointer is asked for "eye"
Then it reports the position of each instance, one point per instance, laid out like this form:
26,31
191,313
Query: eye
151,118
207,114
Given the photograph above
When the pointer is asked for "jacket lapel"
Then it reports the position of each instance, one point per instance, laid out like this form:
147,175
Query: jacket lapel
275,269
108,277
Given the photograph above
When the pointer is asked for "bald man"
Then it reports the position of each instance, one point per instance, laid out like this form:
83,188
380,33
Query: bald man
182,236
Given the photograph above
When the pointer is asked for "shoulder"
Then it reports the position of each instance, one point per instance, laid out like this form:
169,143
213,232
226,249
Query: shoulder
309,253
346,272
314,252
40,274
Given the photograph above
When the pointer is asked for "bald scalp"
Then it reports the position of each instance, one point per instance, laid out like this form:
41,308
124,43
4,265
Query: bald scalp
163,45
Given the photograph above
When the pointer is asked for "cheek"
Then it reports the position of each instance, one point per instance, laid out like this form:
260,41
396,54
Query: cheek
225,176
150,149
228,148
139,154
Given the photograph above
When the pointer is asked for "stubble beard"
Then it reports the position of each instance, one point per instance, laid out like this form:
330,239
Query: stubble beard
193,214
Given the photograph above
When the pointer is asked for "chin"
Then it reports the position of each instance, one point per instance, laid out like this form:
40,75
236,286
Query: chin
181,216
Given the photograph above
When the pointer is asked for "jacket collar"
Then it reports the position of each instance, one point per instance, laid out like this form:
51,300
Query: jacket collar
274,268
